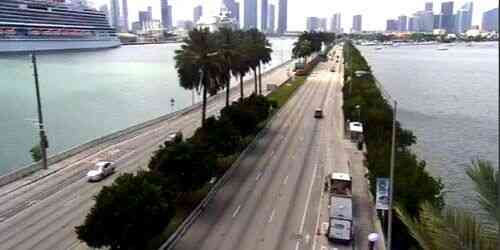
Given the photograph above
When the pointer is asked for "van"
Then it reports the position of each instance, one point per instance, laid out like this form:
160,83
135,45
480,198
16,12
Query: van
318,113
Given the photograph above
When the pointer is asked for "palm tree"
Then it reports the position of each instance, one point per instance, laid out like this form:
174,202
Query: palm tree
241,65
226,39
264,56
198,64
253,41
454,228
302,49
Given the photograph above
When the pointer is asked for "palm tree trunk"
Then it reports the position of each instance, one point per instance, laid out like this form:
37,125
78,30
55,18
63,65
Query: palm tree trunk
227,93
204,108
241,87
255,80
260,81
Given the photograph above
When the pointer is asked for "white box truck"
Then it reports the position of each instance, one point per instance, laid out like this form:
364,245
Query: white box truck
340,227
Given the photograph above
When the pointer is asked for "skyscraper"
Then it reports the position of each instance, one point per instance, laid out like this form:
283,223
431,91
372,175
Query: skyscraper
335,24
125,16
447,19
166,14
263,15
428,6
312,23
234,9
392,25
272,19
402,23
115,14
197,13
282,16
413,24
490,20
463,18
104,8
357,23
250,14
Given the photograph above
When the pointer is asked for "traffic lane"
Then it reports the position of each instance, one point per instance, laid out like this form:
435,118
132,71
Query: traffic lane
299,223
257,208
203,226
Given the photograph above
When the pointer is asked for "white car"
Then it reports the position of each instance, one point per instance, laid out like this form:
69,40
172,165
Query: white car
101,171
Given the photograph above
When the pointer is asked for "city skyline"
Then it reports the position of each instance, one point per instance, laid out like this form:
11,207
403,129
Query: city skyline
373,18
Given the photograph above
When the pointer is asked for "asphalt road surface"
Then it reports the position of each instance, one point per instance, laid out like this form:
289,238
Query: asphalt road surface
272,200
43,214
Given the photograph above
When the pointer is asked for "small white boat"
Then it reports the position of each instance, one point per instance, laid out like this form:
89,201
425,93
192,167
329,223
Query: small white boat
378,48
442,48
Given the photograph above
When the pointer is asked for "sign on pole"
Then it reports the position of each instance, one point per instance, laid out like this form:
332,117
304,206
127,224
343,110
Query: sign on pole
382,199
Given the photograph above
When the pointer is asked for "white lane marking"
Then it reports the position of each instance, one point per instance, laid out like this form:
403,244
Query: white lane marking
258,176
236,211
271,217
303,221
285,180
307,238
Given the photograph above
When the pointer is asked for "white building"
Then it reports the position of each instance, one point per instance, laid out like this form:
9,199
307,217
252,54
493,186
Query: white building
214,23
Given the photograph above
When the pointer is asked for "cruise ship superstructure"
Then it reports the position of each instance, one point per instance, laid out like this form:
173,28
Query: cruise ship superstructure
43,25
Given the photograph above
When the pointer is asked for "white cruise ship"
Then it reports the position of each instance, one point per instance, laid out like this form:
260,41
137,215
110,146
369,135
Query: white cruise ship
44,25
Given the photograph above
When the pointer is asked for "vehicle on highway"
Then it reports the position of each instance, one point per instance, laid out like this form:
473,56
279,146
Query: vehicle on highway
101,171
318,113
332,69
174,136
340,184
340,220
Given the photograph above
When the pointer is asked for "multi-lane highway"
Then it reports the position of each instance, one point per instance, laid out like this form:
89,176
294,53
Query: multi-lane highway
273,200
43,214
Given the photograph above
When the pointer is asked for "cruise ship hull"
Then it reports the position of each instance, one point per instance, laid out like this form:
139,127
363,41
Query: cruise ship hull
26,45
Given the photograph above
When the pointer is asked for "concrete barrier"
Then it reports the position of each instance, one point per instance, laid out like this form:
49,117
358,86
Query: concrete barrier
120,135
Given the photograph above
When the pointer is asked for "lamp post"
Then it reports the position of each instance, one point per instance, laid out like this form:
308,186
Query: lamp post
391,188
44,144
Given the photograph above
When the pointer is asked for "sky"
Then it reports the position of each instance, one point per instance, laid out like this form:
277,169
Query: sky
375,12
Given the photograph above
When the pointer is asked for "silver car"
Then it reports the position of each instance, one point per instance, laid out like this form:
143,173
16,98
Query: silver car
101,171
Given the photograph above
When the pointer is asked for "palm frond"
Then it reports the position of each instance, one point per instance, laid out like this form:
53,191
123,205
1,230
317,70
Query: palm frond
486,180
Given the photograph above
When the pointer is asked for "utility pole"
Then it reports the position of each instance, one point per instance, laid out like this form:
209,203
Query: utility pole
44,144
391,189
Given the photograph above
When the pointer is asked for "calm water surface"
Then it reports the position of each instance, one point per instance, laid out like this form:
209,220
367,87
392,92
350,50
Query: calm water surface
86,95
450,101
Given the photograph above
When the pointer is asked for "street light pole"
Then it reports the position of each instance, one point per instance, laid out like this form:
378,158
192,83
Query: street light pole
43,138
391,189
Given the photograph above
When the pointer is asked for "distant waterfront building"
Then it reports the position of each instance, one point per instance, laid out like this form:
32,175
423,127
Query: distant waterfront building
447,21
322,24
357,23
312,24
272,19
425,21
282,16
115,14
463,18
185,24
166,14
197,13
402,23
125,16
233,8
490,20
428,6
392,25
150,12
264,8
437,20
413,24
136,27
250,14
214,23
335,24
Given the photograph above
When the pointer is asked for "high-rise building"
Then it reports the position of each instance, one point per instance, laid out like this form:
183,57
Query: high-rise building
250,14
282,16
125,15
392,25
322,24
490,20
425,21
166,14
272,19
357,23
447,18
437,21
263,15
197,13
413,24
428,6
463,18
115,14
234,9
312,23
150,12
402,23
335,24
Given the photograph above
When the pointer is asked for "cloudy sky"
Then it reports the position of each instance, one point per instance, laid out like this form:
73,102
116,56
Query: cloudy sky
375,12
